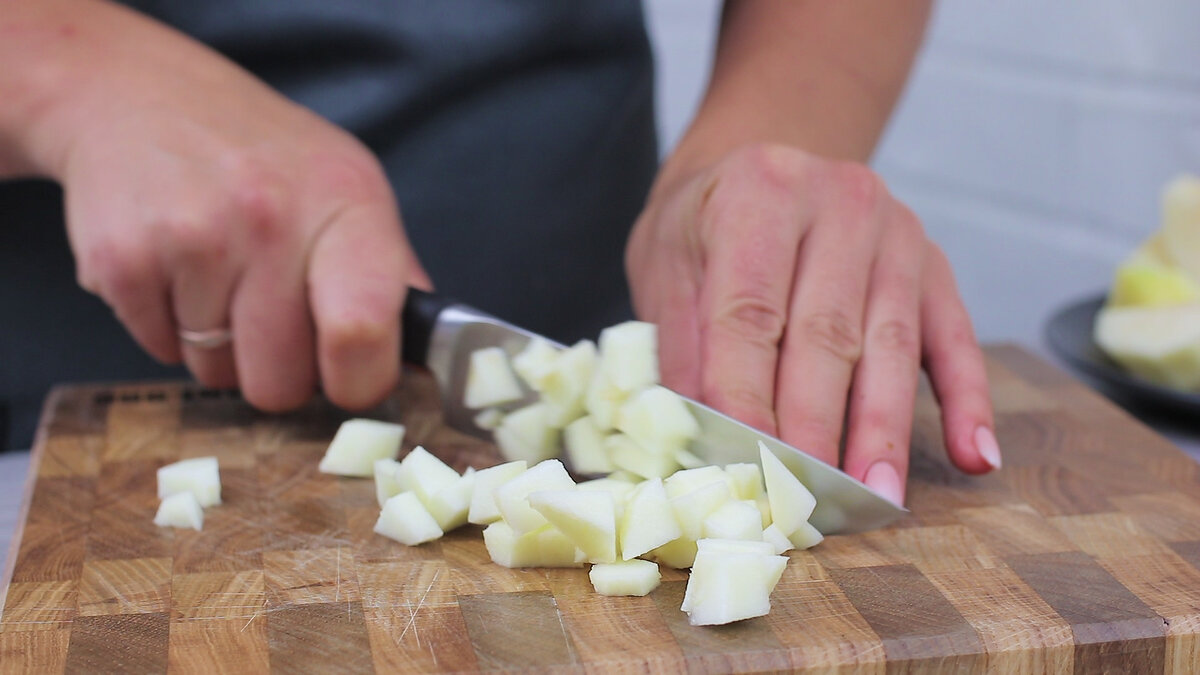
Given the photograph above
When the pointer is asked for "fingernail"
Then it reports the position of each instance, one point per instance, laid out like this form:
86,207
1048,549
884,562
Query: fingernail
985,444
883,478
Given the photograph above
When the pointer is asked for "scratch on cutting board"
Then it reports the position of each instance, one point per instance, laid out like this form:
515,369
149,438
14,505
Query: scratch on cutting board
337,591
563,626
413,613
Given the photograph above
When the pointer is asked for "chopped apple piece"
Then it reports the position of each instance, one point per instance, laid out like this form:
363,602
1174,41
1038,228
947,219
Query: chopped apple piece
626,476
688,460
747,480
806,536
779,540
545,547
734,546
727,586
386,485
683,482
512,497
602,400
358,443
199,476
564,386
405,519
658,420
450,505
587,518
734,520
536,359
679,554
180,510
791,502
648,521
693,507
423,474
1181,223
526,434
629,577
490,380
627,454
619,489
585,447
764,508
483,508
489,419
629,355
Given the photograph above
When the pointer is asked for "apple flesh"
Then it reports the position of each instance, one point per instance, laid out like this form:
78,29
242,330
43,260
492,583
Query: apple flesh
180,510
450,505
734,520
658,419
386,485
584,443
731,582
587,518
406,520
512,496
526,433
1158,344
544,547
358,443
534,361
483,509
200,476
629,577
423,474
791,502
647,522
629,355
490,380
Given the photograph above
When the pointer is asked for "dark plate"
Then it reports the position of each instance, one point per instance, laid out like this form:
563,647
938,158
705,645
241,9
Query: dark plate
1069,334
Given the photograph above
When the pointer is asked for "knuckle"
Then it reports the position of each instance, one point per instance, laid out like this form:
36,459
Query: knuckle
860,184
115,269
750,405
834,332
771,165
255,196
753,318
195,240
352,175
897,335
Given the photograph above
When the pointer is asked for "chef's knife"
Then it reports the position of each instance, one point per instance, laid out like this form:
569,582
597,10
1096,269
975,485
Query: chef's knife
441,335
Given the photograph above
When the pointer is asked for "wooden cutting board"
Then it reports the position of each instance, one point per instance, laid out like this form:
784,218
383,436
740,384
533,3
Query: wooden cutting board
1081,555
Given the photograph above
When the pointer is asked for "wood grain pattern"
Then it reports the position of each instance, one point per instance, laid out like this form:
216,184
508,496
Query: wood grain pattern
1082,555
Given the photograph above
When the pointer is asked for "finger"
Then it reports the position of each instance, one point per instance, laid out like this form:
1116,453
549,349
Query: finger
125,277
885,382
823,341
956,370
197,251
357,276
752,242
273,338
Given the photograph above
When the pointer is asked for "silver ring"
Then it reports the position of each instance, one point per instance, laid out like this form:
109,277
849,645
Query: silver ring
206,339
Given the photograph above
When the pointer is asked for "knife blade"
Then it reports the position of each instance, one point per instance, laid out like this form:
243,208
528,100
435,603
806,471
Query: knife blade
441,334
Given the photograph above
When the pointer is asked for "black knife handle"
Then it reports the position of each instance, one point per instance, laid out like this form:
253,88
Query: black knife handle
417,321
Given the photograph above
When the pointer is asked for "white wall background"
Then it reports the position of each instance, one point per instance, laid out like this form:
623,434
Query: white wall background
1033,140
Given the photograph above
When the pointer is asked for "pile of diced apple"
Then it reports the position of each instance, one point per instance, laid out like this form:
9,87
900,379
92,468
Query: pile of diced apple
730,525
186,488
603,406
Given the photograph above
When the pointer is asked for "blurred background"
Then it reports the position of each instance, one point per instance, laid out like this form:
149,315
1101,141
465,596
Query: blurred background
1033,140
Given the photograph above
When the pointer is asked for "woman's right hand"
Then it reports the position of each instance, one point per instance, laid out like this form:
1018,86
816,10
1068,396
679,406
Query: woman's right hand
198,198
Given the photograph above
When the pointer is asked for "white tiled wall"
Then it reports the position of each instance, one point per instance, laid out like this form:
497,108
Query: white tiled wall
1033,140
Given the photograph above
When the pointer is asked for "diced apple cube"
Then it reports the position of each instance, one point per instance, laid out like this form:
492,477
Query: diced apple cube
693,507
526,434
791,502
629,577
358,443
627,454
679,554
536,359
688,460
512,496
180,510
489,419
564,386
747,480
423,474
199,476
483,508
450,505
806,536
585,447
545,547
386,485
490,380
658,419
735,546
619,489
734,520
587,518
778,539
764,507
629,354
648,521
603,400
730,586
405,519
682,482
